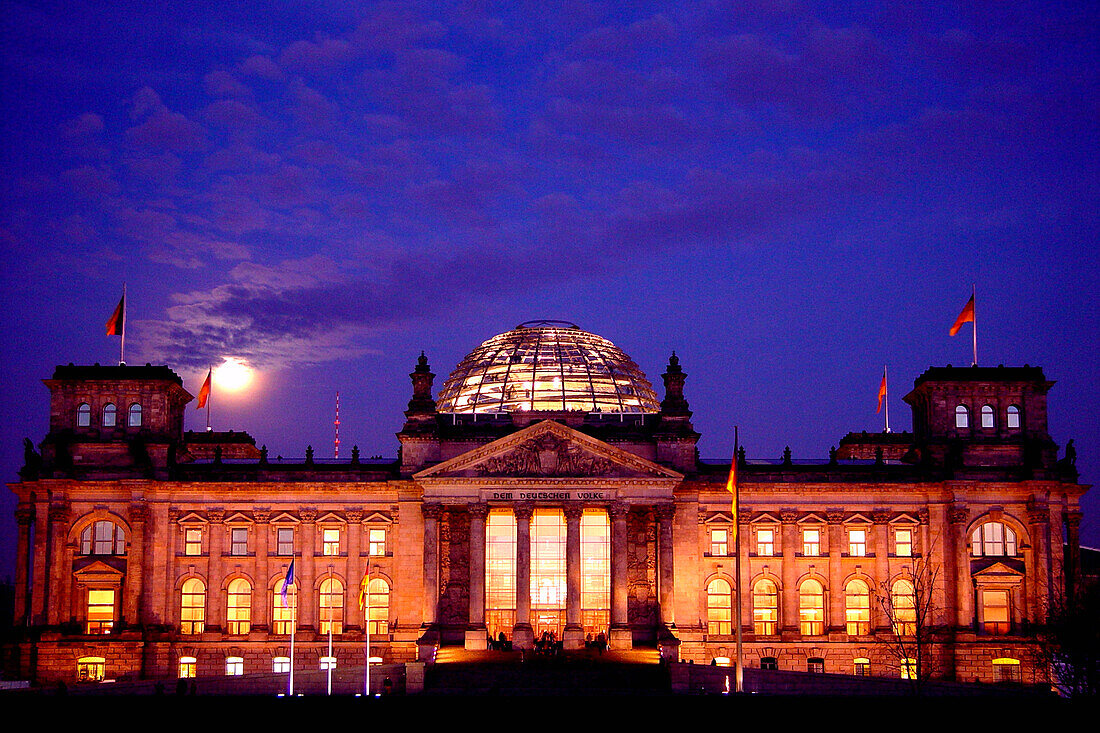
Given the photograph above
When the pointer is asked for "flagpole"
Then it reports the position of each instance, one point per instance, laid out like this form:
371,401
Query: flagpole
122,343
739,672
366,675
330,660
886,381
973,297
210,376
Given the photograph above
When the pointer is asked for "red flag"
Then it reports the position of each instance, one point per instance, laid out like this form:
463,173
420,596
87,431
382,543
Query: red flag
204,393
117,324
967,316
731,486
881,392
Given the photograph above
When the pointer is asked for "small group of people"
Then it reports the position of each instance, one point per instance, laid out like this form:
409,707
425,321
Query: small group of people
500,644
548,643
599,642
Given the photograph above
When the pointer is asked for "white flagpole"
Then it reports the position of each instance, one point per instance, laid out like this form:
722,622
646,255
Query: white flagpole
330,662
886,380
122,343
974,298
366,624
739,671
293,624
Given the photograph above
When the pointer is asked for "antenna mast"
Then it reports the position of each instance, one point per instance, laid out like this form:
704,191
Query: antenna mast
336,427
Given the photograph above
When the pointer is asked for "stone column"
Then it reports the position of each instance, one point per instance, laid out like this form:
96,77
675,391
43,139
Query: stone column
666,593
1036,569
135,566
621,636
838,546
475,632
40,572
788,622
355,568
432,515
956,562
59,525
217,596
24,518
1072,560
172,567
573,636
261,613
880,547
523,636
307,608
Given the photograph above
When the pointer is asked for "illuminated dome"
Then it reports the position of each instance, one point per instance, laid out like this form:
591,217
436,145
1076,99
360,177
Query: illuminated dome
547,366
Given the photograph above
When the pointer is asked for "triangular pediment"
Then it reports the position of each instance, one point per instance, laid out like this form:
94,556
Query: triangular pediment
811,519
238,518
98,571
904,519
765,518
719,518
377,518
997,568
858,519
192,518
548,449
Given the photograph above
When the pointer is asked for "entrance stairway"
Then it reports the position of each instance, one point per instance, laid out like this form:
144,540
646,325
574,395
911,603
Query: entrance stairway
629,672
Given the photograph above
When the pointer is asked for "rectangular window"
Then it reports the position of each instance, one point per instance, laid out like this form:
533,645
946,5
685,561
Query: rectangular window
187,667
903,542
280,665
192,541
376,539
238,544
811,542
995,611
857,542
719,542
863,667
234,666
330,541
101,611
765,542
284,544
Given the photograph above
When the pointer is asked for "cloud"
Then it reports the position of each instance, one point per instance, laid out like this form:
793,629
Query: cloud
90,183
162,129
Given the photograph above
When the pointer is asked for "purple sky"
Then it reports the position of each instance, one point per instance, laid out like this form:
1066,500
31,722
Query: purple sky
788,195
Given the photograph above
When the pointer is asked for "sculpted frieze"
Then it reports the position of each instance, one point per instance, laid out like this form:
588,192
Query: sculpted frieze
546,455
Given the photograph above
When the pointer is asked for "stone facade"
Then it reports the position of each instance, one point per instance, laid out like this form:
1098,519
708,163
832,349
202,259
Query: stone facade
183,510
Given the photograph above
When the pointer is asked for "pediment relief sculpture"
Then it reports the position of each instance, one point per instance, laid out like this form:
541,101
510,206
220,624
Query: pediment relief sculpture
546,455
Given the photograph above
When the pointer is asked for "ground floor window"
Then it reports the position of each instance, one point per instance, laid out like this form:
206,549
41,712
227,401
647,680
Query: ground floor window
863,667
187,667
91,669
908,669
769,663
1006,669
280,665
234,666
816,665
328,663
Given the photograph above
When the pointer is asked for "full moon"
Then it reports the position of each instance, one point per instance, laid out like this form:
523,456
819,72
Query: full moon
233,375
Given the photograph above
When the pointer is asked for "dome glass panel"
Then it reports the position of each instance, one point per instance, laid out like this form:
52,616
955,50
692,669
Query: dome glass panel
547,366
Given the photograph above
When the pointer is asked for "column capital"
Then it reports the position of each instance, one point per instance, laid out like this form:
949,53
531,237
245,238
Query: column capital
834,516
479,510
1072,519
433,510
665,510
353,516
958,514
573,511
24,514
618,510
308,514
59,512
523,509
261,515
215,515
881,516
139,513
788,515
924,516
744,517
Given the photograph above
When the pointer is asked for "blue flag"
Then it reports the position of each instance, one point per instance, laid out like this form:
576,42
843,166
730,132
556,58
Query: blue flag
288,581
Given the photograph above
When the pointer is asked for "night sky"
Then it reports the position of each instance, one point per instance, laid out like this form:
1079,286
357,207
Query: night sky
787,194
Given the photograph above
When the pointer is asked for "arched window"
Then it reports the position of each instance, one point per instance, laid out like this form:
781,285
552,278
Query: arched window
857,608
987,416
83,415
110,413
239,616
91,669
993,539
1013,417
962,417
135,415
811,608
719,607
332,606
765,607
903,602
102,538
284,614
192,606
378,606
187,667
1007,669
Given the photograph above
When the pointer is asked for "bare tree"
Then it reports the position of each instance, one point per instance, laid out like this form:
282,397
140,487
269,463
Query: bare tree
916,623
1069,642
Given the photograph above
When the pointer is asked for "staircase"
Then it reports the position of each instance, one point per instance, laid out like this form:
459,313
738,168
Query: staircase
628,672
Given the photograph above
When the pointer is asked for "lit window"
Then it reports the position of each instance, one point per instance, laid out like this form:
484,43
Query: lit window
815,665
862,667
719,607
722,662
280,665
987,416
330,541
765,607
193,606
500,572
903,601
962,417
238,541
719,542
83,415
239,616
769,663
332,606
596,571
102,538
283,614
857,608
908,669
811,542
284,545
328,663
91,669
765,542
376,538
995,612
187,668
378,606
234,666
135,415
993,539
192,541
1007,669
101,611
903,542
110,415
1013,417
811,608
857,542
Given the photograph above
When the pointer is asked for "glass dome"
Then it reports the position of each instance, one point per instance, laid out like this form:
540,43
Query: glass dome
547,366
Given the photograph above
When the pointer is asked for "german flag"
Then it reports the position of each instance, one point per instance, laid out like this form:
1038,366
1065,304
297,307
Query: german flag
117,323
881,391
966,316
204,392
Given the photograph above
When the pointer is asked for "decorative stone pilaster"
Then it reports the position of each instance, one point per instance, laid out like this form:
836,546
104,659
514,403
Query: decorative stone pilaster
307,608
791,549
432,514
1037,561
1072,560
523,636
958,585
58,529
135,565
262,612
475,632
666,580
621,636
838,547
216,596
24,518
573,636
